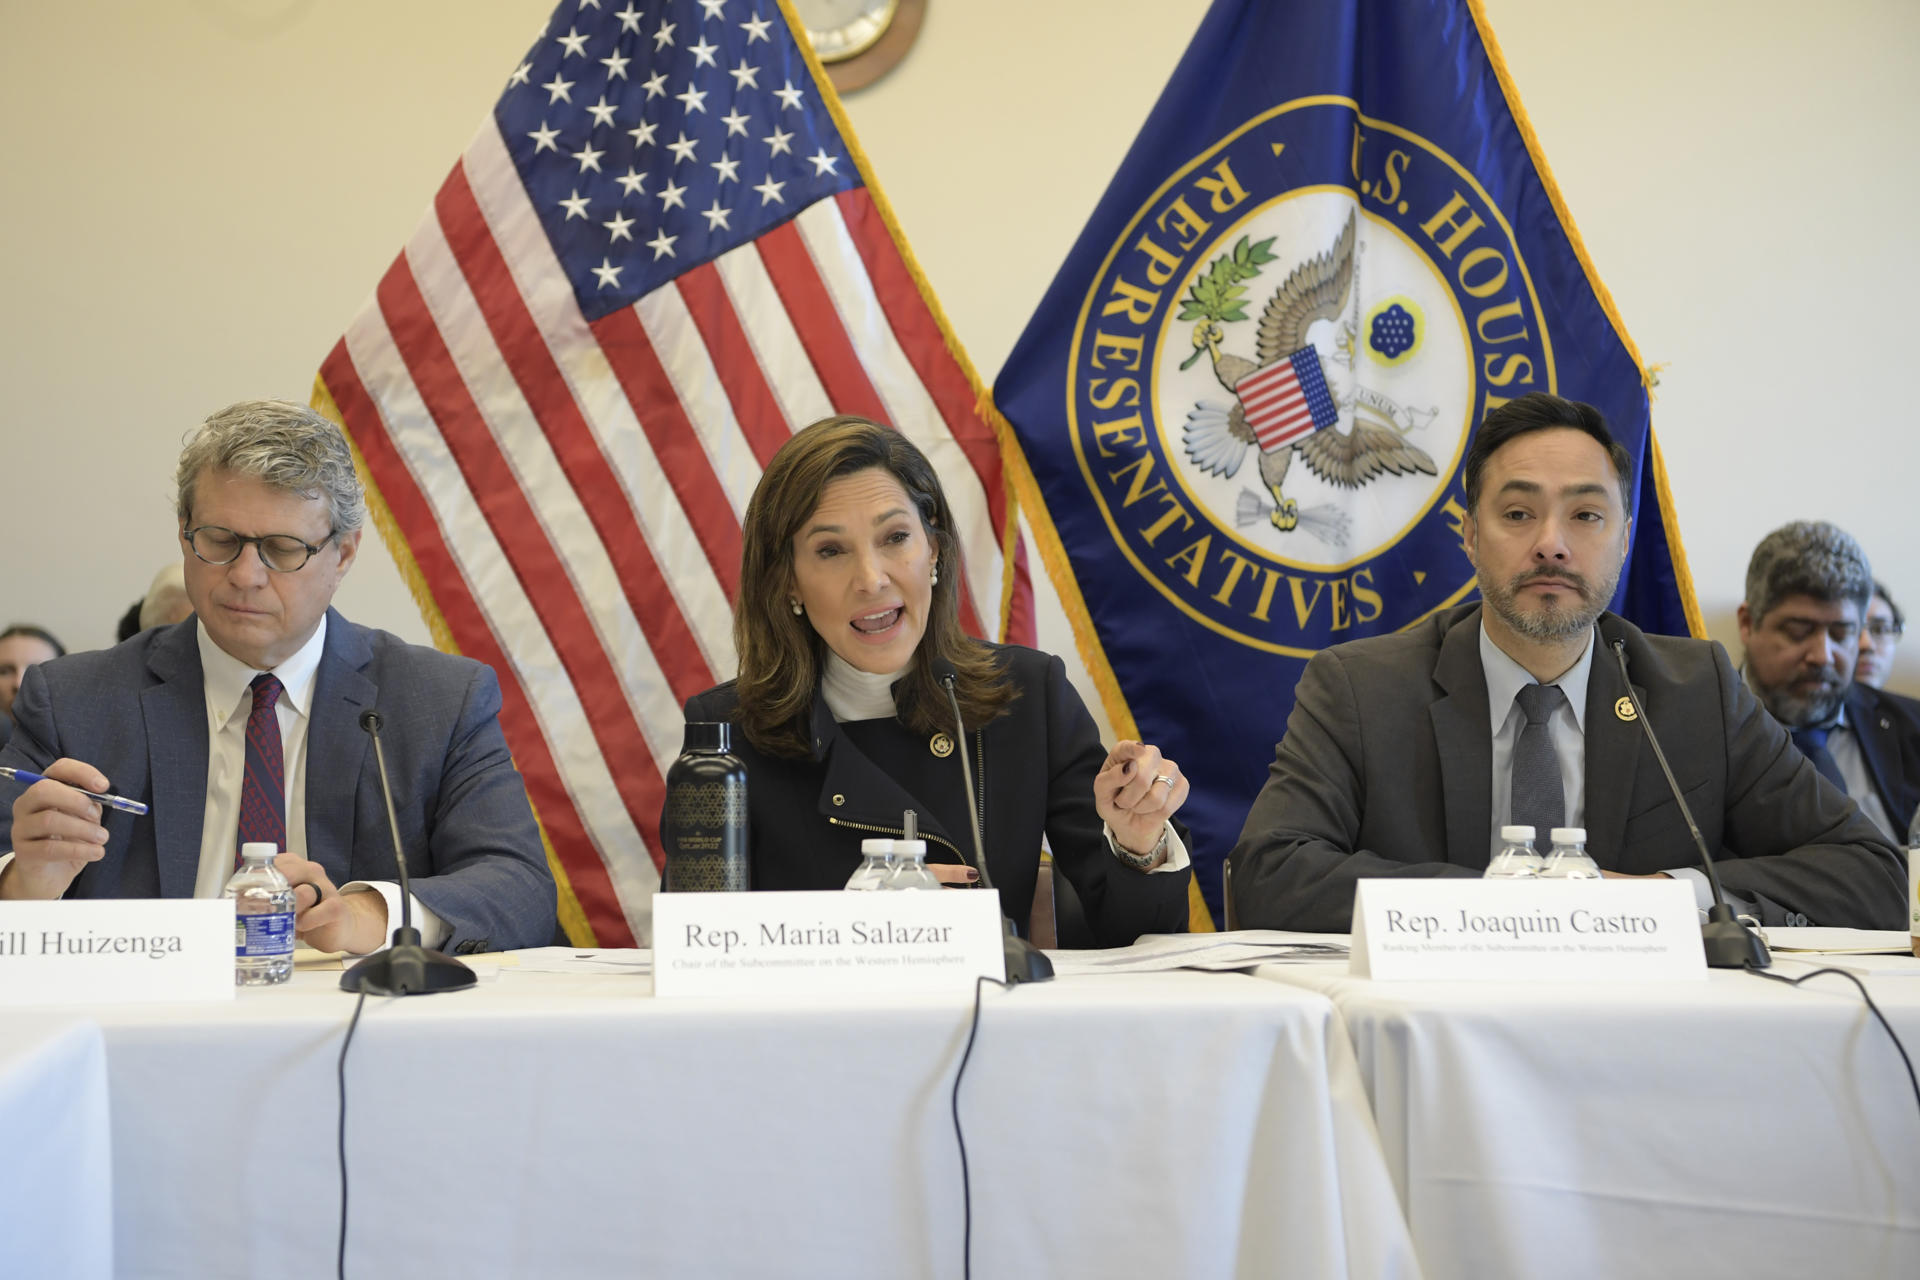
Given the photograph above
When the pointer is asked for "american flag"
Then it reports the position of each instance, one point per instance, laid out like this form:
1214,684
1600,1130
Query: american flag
1286,401
660,255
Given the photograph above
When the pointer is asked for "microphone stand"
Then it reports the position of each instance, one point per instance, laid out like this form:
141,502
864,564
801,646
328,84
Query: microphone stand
1024,961
405,968
1728,943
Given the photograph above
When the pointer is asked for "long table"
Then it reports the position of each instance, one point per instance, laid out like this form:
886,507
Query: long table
546,1125
1729,1127
56,1204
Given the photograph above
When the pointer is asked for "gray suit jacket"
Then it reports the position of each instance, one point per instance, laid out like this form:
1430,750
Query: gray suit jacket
137,712
1385,771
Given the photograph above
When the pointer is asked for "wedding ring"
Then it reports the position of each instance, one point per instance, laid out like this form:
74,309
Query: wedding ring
1163,777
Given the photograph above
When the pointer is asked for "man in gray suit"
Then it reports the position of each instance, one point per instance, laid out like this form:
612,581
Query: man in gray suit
1406,753
242,724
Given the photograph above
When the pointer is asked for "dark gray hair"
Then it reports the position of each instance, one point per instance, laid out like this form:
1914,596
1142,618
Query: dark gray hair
1807,558
281,444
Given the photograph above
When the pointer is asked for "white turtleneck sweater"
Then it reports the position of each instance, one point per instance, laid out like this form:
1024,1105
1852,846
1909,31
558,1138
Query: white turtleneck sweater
853,694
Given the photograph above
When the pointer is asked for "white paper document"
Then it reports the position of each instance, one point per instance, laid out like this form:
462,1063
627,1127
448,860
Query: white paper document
1158,953
1841,942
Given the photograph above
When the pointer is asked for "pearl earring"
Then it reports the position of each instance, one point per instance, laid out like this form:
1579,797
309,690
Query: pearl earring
795,606
936,577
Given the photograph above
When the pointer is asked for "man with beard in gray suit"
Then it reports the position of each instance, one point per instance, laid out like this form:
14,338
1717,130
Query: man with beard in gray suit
1406,753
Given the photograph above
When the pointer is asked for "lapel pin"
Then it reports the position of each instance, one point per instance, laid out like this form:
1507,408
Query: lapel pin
941,745
1624,709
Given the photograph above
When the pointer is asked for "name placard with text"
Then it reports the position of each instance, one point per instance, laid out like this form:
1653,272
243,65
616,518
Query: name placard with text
1526,930
116,951
736,944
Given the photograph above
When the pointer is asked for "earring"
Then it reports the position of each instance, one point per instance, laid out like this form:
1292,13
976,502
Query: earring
795,606
936,577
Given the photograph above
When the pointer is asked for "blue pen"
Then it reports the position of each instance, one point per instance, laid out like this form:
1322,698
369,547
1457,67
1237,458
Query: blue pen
112,802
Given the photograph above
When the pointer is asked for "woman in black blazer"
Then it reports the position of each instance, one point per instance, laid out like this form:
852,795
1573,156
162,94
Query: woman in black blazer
846,626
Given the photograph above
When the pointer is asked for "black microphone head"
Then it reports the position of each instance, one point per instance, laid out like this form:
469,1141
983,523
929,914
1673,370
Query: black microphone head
943,671
370,720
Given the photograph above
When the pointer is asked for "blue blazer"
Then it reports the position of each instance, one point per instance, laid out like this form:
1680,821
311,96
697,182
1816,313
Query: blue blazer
137,712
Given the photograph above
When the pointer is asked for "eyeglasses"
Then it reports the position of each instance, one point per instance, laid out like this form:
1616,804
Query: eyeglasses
1885,629
280,552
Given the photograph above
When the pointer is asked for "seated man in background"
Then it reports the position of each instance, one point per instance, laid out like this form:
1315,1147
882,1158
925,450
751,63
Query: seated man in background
1878,636
1406,753
21,646
242,724
1808,587
167,601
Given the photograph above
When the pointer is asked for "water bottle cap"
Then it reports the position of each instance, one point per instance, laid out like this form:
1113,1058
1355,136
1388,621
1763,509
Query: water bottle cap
912,848
876,846
1569,835
1524,834
260,849
703,735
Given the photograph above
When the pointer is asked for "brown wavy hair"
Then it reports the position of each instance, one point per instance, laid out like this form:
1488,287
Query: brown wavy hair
781,655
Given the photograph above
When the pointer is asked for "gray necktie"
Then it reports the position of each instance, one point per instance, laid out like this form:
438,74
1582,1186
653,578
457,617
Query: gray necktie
1538,800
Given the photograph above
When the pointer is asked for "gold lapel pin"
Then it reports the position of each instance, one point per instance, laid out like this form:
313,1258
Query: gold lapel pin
1624,709
941,745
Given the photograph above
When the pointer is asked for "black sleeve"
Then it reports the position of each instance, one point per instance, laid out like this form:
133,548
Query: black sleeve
1121,903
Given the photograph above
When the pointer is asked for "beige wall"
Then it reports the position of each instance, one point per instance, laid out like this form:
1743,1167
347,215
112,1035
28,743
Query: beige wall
199,195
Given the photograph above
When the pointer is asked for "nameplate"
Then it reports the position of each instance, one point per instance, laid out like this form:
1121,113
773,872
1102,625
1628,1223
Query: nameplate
116,951
739,944
1526,930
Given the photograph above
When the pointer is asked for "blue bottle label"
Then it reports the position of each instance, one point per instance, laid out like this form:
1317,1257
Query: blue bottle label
259,936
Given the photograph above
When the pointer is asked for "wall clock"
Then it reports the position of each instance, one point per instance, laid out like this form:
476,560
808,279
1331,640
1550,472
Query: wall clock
860,40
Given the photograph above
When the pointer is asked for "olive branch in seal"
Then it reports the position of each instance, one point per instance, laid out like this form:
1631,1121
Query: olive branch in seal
1219,295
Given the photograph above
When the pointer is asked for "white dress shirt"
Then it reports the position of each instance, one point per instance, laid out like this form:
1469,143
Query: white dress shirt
229,695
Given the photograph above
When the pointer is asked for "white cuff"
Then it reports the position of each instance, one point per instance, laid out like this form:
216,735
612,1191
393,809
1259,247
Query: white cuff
1703,892
1177,859
433,930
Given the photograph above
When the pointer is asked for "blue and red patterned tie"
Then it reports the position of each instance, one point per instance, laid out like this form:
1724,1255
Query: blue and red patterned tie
263,788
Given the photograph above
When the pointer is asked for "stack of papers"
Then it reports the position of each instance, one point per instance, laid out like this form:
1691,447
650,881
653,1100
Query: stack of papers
1158,953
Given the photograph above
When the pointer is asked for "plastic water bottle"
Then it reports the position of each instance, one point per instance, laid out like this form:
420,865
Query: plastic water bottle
1517,859
1569,860
262,919
876,862
910,867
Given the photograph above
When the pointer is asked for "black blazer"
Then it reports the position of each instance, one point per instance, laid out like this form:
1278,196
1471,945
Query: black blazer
1385,771
1033,768
1887,726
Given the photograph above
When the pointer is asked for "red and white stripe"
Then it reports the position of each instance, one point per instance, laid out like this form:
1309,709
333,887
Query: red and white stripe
572,491
1274,405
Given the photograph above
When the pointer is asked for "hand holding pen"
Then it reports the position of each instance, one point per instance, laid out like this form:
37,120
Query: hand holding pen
26,778
56,827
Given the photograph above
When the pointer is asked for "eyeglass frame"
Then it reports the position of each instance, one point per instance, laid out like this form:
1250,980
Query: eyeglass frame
1883,628
243,541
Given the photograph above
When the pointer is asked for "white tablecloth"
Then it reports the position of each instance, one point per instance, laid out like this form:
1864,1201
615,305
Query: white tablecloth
56,1184
546,1126
1731,1127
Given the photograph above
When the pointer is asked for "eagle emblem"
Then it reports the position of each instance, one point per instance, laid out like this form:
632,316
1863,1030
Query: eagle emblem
1289,398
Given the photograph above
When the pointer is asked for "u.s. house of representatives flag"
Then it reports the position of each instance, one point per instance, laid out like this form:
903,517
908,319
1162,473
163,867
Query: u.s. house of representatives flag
661,254
1246,398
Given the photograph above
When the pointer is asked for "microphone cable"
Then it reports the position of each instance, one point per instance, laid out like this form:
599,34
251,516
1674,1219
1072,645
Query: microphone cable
1912,1079
959,1137
340,1252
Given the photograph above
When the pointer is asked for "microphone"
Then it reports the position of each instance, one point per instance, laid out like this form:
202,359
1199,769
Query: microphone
1729,944
1024,961
405,968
